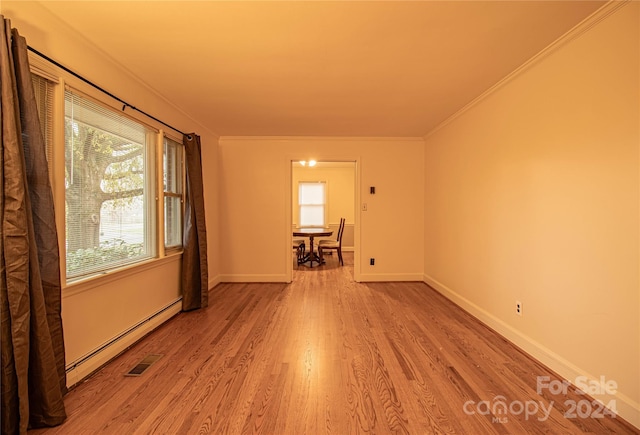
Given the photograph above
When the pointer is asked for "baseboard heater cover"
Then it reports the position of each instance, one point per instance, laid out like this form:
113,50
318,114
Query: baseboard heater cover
93,361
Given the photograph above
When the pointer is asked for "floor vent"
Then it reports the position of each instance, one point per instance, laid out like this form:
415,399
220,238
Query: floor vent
143,365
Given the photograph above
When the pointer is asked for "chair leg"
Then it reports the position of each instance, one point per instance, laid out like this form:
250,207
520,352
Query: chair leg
321,254
300,251
340,256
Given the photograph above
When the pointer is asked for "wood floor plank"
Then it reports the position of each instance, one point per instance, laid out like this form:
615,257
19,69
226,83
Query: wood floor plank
324,355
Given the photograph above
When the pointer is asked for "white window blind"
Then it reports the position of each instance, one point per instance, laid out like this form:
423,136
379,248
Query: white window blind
43,90
173,181
312,203
109,188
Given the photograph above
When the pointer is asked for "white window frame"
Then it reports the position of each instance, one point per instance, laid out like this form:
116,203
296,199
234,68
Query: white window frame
148,207
177,192
324,204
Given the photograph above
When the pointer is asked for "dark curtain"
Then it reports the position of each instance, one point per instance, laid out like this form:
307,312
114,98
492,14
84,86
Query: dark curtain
195,280
32,347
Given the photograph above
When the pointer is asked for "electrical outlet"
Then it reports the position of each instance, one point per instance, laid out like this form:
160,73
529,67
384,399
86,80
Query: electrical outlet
519,308
372,261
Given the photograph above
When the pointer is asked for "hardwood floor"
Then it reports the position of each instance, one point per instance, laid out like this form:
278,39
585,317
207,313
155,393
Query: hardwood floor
325,354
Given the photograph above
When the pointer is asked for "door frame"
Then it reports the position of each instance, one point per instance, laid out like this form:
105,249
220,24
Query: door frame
289,212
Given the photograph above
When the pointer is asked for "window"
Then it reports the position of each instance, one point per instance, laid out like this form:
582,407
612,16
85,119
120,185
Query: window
110,185
173,182
312,202
109,189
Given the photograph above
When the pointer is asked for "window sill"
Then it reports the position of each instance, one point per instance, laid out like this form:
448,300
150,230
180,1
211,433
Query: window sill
84,284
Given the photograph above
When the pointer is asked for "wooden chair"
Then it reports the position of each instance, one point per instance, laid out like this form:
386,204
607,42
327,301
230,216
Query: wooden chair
300,247
328,245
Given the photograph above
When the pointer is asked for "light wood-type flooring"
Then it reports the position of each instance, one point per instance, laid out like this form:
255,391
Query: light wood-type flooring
327,355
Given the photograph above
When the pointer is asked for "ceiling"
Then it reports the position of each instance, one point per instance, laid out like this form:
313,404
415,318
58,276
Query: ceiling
321,68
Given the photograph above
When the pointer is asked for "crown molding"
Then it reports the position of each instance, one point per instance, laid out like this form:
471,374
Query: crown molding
579,29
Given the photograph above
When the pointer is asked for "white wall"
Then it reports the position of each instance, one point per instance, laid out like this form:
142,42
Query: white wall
255,208
97,311
532,194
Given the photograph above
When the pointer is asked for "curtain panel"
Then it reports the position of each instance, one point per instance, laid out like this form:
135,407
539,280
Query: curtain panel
195,280
33,379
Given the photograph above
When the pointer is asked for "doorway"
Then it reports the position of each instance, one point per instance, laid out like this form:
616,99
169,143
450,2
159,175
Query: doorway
338,181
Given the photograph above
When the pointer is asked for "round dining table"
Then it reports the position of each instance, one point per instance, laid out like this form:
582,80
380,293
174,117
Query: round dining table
311,256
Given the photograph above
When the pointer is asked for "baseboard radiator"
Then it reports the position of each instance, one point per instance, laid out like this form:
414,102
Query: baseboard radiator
94,360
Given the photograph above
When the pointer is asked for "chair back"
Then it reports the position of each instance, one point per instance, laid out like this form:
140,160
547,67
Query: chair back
340,231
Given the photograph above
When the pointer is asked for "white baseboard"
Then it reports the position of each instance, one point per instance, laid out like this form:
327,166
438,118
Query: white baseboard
86,365
253,278
626,407
214,281
388,277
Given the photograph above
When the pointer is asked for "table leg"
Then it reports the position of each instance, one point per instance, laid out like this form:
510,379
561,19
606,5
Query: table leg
311,253
311,256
